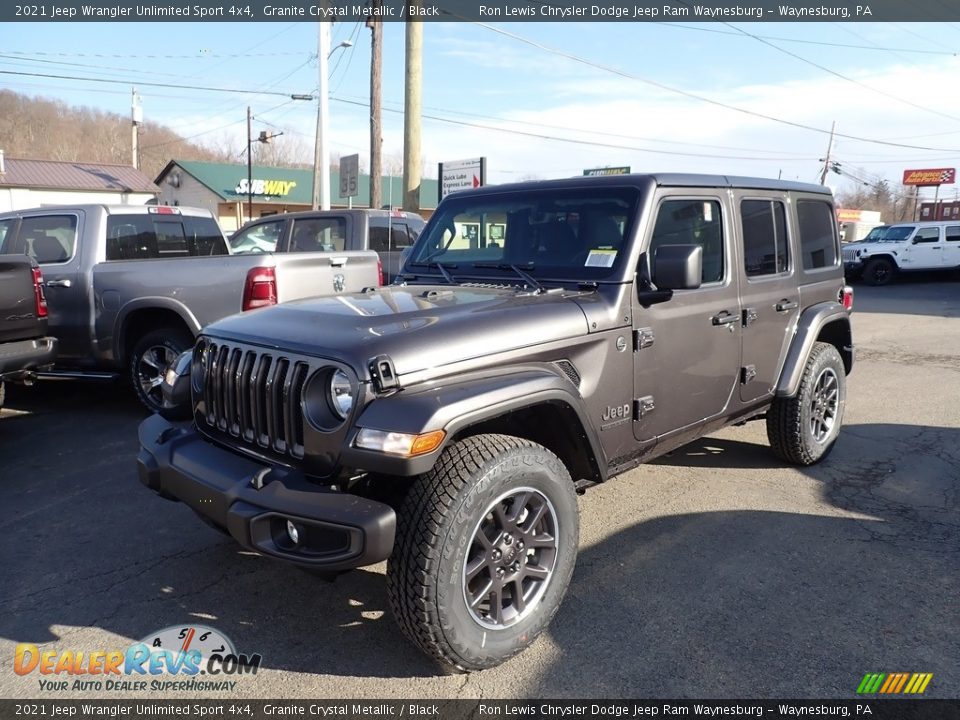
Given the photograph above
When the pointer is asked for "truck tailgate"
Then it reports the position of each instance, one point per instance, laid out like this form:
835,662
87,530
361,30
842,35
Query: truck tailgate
18,304
301,275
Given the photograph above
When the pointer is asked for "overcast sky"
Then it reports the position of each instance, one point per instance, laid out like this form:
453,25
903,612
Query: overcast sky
743,98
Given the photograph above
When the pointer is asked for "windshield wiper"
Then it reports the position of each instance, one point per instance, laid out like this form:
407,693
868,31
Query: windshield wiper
525,276
439,266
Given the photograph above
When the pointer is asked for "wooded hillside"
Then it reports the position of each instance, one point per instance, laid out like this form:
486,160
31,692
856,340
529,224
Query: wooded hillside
43,129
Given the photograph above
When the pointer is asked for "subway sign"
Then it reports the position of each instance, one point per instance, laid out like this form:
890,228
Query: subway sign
932,176
592,172
275,188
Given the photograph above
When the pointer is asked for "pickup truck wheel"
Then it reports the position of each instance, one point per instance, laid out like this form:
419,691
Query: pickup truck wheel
148,362
803,429
878,271
486,544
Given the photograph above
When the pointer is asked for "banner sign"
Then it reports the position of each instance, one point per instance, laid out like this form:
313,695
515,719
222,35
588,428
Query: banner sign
461,175
934,176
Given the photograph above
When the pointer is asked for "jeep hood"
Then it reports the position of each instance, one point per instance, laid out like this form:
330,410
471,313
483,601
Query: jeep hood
417,326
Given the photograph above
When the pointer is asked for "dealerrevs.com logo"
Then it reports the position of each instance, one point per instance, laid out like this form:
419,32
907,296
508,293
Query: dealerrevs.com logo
171,659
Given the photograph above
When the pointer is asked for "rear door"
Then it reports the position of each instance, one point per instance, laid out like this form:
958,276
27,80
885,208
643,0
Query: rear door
951,246
52,240
925,251
768,289
686,367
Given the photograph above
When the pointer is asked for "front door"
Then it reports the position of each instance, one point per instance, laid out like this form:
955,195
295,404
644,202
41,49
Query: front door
688,348
768,290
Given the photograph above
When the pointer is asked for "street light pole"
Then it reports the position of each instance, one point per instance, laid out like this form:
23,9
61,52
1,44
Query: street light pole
321,149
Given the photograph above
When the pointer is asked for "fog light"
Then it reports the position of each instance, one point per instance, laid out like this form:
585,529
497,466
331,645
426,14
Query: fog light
293,532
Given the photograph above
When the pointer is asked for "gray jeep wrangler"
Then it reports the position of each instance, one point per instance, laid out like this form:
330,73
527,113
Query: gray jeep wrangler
541,338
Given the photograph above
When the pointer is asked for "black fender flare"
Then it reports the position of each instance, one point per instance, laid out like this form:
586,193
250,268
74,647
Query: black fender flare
460,403
809,326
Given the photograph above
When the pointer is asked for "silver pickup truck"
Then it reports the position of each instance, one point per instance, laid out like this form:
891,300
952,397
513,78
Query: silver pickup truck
129,287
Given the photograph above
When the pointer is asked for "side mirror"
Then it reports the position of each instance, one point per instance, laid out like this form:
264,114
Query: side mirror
678,267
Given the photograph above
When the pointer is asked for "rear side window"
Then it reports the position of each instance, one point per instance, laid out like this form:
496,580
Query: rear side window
953,234
397,237
764,237
693,222
145,237
319,235
49,239
818,234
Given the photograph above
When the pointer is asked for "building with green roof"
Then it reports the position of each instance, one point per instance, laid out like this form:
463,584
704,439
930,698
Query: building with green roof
222,189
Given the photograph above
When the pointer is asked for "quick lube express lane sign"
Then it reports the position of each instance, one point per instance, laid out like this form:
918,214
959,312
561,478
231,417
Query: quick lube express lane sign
461,175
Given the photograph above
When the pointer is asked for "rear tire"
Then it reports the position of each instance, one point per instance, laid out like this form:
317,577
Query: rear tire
803,429
149,360
486,545
878,271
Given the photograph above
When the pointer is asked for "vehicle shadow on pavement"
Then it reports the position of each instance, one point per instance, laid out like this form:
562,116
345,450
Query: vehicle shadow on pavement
95,549
933,294
773,604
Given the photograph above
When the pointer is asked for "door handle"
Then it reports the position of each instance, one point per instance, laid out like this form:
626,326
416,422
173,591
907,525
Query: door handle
724,318
786,306
65,283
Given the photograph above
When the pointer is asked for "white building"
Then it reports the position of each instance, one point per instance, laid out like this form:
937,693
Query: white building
34,183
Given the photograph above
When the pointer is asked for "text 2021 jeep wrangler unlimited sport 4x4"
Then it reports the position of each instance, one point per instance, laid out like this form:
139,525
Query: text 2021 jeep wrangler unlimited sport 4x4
543,337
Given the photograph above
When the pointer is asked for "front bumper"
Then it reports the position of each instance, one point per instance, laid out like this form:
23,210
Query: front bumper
337,531
27,355
853,267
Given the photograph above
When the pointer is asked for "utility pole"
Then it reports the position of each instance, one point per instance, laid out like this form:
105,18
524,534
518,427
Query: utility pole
826,160
376,131
411,115
321,151
249,168
136,117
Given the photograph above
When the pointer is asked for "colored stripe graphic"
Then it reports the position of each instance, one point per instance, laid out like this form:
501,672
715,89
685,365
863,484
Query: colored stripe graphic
894,683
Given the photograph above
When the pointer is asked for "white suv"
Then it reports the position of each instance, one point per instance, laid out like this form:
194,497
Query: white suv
890,249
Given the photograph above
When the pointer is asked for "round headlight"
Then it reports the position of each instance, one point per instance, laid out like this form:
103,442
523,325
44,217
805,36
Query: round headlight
341,394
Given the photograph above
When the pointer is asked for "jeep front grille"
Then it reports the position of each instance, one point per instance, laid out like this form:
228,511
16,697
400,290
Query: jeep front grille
254,396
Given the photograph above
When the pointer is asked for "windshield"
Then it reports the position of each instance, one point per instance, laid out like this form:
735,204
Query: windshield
889,233
574,234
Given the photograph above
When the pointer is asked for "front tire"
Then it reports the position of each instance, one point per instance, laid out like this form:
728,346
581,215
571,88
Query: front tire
486,545
803,429
149,359
878,271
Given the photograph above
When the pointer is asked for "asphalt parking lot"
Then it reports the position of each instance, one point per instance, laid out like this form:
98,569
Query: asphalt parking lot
714,572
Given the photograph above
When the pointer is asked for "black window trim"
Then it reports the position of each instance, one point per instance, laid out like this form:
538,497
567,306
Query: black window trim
791,265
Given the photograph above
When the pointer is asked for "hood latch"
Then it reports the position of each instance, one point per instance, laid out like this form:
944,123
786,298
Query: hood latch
383,373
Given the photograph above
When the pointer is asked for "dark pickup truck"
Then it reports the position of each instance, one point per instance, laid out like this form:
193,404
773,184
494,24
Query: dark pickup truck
24,346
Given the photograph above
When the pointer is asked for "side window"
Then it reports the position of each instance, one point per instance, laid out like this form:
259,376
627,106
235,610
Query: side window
6,228
953,234
764,237
927,235
49,238
818,234
261,238
692,222
204,236
382,240
130,237
319,235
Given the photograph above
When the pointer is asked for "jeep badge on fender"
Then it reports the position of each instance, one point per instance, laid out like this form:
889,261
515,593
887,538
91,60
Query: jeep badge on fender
446,422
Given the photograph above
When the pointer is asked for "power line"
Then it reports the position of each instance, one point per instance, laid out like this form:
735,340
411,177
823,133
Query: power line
694,96
840,75
238,91
873,46
542,136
